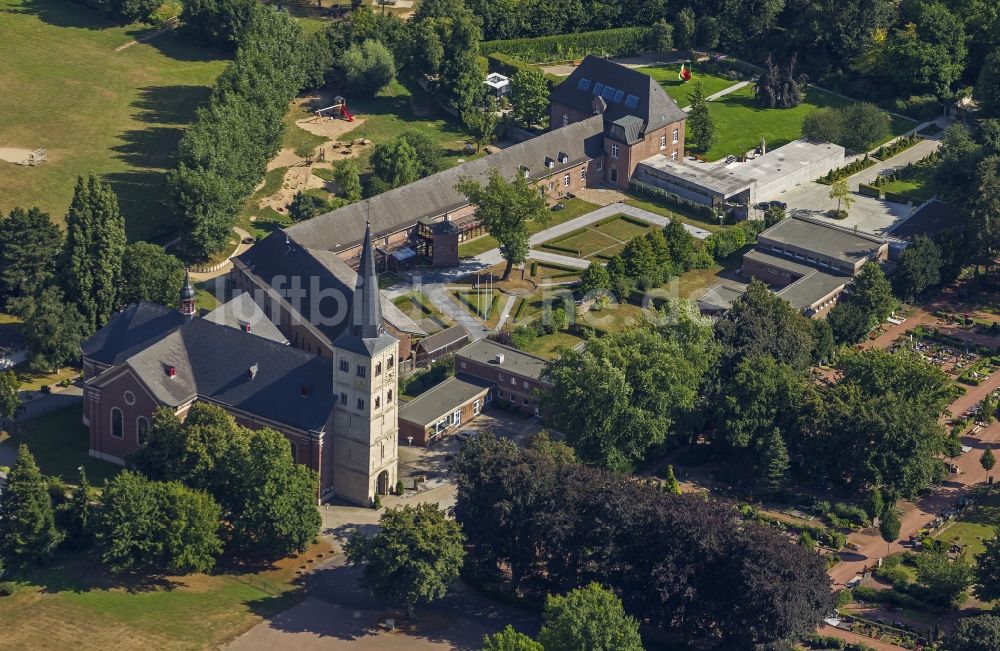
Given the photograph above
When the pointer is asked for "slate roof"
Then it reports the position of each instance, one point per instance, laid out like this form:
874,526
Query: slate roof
325,282
242,311
435,195
212,362
131,329
628,129
443,339
367,331
652,105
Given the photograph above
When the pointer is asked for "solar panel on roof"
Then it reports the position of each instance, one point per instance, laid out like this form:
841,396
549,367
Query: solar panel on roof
584,84
631,101
617,99
598,87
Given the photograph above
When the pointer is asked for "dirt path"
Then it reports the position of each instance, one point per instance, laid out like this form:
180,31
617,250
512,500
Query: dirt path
14,154
171,24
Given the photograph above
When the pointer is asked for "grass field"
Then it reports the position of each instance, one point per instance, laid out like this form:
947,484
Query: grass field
547,345
919,188
741,123
978,523
418,307
59,441
679,90
573,209
74,604
602,240
117,114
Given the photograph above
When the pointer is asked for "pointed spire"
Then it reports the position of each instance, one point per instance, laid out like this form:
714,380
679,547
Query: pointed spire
187,296
366,317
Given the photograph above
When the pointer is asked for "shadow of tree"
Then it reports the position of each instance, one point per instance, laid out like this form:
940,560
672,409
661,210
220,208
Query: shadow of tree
169,104
145,202
63,13
80,572
181,45
149,147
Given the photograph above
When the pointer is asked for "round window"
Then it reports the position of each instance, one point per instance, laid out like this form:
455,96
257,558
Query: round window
129,398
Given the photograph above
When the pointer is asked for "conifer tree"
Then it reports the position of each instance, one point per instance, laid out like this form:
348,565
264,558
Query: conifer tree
92,257
700,123
27,521
79,525
774,461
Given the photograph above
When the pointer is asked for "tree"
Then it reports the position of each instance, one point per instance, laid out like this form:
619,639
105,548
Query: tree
987,574
413,558
874,504
510,640
529,96
150,274
987,460
774,462
29,248
661,37
684,28
554,449
849,322
871,290
595,279
590,618
192,540
889,525
987,92
842,193
927,54
395,163
947,581
53,329
92,256
9,387
824,125
429,158
481,123
759,397
777,88
504,209
368,68
27,521
217,22
623,392
864,125
918,268
306,206
79,528
980,633
348,180
700,123
670,483
823,346
707,32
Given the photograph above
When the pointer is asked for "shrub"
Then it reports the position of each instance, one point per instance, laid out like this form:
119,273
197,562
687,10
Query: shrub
896,197
864,125
368,67
7,588
844,597
399,487
870,190
817,641
673,201
919,107
606,42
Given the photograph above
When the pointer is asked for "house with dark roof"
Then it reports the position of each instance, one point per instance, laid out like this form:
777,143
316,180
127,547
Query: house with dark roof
640,120
335,406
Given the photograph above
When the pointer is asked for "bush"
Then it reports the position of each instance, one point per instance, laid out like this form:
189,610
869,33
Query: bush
672,200
561,47
844,597
7,588
869,190
368,67
896,197
817,641
919,107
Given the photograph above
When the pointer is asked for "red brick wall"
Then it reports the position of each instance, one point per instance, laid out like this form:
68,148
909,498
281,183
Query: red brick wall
111,396
629,157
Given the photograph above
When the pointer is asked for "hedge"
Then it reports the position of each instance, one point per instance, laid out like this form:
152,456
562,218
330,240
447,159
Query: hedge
896,197
673,200
562,47
562,249
869,191
510,66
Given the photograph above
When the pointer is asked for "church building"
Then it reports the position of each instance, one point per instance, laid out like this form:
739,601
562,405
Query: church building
337,410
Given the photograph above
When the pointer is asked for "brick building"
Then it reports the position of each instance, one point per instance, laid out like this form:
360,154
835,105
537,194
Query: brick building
336,406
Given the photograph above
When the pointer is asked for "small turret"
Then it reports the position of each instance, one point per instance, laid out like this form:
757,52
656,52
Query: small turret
187,297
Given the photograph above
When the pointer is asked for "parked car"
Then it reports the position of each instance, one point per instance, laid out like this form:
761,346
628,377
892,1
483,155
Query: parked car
467,435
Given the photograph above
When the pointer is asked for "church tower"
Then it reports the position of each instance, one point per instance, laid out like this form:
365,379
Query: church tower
365,383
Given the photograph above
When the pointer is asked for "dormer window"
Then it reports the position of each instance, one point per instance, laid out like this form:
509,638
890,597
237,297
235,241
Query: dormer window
563,158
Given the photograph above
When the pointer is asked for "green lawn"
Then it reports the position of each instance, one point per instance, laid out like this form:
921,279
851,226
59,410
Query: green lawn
546,345
297,138
60,443
573,208
73,603
919,188
977,523
486,305
679,90
623,228
116,114
741,123
653,206
586,242
418,307
553,272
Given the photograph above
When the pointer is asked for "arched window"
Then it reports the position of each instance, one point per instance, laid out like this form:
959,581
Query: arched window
295,455
389,362
378,368
388,396
141,430
117,423
378,402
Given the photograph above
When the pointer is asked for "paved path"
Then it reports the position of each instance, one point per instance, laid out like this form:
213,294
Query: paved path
505,311
224,269
722,93
607,211
555,258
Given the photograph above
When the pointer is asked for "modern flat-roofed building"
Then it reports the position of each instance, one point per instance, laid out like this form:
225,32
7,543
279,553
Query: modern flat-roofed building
517,375
443,409
810,262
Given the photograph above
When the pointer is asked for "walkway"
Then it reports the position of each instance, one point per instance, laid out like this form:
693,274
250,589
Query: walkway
610,210
722,93
562,260
224,269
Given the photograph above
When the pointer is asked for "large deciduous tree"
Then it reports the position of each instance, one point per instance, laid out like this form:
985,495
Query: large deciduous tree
510,640
150,274
368,68
29,248
987,573
92,258
530,97
980,633
987,92
590,618
918,268
53,329
504,209
394,163
9,387
413,558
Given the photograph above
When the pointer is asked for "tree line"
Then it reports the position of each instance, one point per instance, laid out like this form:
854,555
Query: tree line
197,490
66,288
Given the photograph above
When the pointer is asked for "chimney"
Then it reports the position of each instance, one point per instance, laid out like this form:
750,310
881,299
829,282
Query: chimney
171,371
499,358
252,372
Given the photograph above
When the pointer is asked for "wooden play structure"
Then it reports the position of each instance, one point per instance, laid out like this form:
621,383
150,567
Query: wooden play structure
337,110
35,157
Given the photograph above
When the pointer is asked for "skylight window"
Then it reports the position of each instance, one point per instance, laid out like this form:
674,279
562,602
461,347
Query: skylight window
598,87
608,93
584,84
617,99
631,101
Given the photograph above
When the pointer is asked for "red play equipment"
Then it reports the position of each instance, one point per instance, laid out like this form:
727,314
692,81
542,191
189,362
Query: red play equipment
344,113
339,108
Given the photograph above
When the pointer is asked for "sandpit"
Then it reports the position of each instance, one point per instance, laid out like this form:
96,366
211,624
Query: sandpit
14,154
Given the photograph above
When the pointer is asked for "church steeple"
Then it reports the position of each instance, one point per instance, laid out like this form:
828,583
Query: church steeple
366,317
186,304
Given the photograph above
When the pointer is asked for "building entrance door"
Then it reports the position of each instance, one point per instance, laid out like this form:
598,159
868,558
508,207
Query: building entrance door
382,484
614,175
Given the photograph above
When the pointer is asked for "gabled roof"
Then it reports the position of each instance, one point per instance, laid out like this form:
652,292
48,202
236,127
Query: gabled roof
212,362
242,313
625,92
134,327
323,283
443,339
435,195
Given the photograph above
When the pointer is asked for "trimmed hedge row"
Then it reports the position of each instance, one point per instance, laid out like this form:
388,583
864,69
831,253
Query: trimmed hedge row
561,47
510,66
562,249
673,200
896,197
869,191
